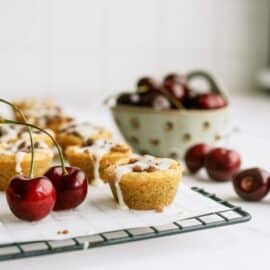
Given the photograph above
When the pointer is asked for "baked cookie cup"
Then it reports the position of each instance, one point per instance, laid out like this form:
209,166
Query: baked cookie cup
39,137
95,158
146,184
44,114
12,133
17,161
78,134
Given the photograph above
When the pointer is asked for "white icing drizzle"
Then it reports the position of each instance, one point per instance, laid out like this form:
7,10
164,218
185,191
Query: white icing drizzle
19,159
20,148
96,151
41,111
83,130
144,162
7,133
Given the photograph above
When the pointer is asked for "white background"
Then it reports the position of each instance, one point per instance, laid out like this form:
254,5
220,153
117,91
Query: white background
73,49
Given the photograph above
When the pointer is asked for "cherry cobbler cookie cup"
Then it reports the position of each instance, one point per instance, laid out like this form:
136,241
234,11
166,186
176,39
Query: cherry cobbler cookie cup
15,158
96,157
80,134
145,182
44,114
11,133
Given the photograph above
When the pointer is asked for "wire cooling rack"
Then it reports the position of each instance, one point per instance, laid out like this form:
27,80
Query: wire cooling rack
232,215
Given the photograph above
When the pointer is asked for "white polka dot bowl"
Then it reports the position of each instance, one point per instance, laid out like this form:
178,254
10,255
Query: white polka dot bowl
169,133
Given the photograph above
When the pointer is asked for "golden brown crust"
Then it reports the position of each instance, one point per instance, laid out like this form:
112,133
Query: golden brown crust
147,190
53,123
66,140
43,137
86,162
42,163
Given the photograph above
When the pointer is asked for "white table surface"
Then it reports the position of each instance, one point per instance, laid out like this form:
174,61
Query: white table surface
243,246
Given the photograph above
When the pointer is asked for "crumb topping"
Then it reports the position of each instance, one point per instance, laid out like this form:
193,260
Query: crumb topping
82,130
43,112
22,145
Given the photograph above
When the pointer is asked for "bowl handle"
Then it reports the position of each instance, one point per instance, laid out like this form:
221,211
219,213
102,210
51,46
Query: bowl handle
209,78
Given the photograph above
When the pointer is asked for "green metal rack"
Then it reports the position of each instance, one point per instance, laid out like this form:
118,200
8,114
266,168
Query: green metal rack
232,215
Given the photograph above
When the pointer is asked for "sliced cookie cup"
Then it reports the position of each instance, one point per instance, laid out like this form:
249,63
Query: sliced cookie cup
15,158
79,134
145,183
96,157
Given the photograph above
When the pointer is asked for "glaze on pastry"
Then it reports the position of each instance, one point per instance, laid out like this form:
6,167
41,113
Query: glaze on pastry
145,183
15,158
93,159
80,134
45,114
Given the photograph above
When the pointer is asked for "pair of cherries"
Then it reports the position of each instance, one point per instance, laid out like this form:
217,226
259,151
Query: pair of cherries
33,199
221,164
61,188
173,92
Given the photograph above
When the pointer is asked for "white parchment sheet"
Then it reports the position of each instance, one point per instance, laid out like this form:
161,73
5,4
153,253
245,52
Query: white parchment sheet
98,214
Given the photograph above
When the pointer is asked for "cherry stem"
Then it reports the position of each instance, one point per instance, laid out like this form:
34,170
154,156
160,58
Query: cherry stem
31,170
64,170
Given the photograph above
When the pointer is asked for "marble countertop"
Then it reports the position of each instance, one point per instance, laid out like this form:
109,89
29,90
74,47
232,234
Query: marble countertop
243,246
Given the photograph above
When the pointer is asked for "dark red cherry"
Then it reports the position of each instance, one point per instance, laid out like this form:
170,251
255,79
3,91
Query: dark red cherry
221,164
145,84
155,100
176,89
195,155
210,101
175,78
128,99
30,199
252,184
71,188
189,101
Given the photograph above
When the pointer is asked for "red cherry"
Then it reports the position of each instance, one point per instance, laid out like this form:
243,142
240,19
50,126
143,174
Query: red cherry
195,156
176,89
128,99
252,184
221,164
210,101
175,77
156,100
146,84
71,188
189,101
30,199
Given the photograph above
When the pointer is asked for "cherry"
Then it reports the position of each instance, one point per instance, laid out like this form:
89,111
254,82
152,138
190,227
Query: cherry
189,101
146,84
30,199
128,99
195,156
252,184
176,89
210,101
71,188
175,78
221,164
156,100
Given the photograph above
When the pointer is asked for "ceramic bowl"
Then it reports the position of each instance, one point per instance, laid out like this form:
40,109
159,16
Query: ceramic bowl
169,133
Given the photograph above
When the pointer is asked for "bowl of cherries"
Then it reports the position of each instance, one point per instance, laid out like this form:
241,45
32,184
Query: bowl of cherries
165,118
